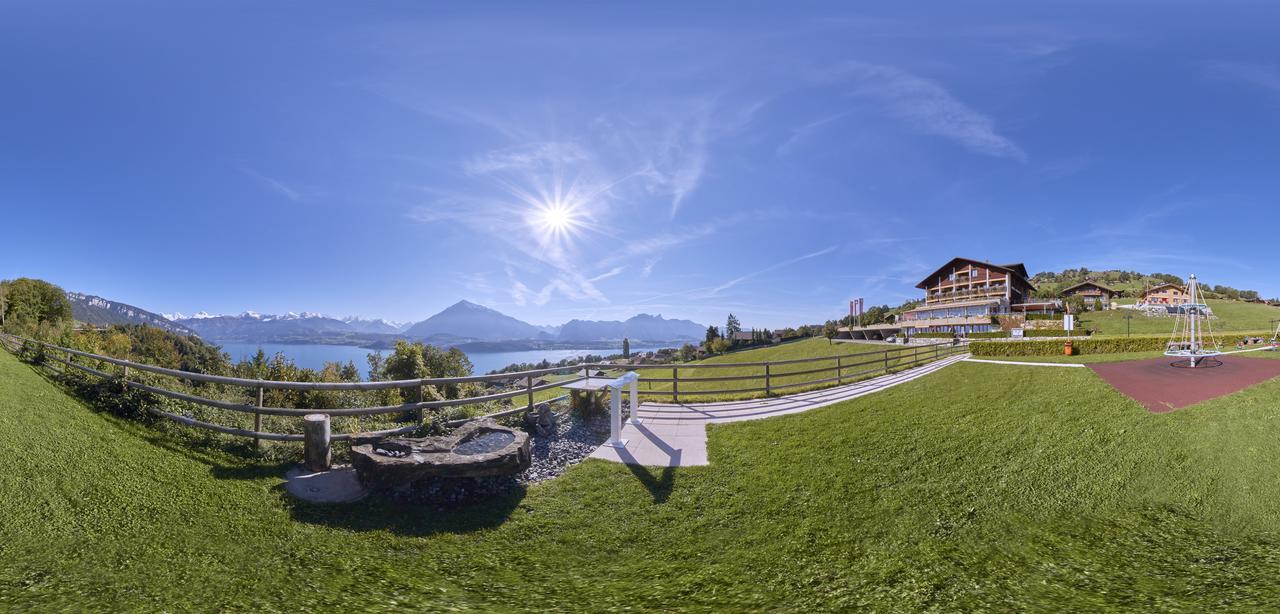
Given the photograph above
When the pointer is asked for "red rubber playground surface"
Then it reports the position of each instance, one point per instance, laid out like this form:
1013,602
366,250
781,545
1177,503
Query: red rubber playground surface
1160,387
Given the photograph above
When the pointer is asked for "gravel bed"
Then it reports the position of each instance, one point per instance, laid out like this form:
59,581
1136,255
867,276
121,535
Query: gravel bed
574,440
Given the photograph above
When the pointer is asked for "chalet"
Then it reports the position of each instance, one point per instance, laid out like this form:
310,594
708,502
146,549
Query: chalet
1166,294
1091,292
963,296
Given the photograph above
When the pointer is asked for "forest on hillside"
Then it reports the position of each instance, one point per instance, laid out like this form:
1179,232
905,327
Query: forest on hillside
1130,284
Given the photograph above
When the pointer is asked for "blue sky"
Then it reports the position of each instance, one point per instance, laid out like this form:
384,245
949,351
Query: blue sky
768,160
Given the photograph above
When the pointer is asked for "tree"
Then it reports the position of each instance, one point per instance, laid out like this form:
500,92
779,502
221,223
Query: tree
626,348
1074,304
713,333
688,352
32,302
1097,304
720,346
732,327
829,330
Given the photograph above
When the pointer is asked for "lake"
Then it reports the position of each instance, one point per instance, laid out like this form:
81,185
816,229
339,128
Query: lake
314,356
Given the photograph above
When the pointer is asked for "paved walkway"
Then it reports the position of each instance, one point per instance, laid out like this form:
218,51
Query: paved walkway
675,435
1070,365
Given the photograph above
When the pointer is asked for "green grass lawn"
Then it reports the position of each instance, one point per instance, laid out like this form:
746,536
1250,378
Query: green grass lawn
977,487
779,374
1233,316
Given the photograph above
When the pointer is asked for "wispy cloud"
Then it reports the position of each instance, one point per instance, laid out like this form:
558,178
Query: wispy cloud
1262,76
275,185
647,270
710,292
926,106
769,269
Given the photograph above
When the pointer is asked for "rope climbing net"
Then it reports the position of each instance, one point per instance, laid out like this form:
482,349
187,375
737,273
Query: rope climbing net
1191,328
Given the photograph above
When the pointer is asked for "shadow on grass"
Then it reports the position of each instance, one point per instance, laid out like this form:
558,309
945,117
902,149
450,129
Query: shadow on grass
659,484
384,513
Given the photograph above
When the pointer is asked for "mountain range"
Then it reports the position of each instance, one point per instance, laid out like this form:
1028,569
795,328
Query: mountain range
99,311
460,323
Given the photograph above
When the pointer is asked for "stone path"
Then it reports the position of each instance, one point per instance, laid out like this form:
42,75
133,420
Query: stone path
675,435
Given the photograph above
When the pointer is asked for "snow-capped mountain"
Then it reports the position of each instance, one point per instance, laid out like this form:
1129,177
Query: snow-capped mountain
378,325
99,311
254,327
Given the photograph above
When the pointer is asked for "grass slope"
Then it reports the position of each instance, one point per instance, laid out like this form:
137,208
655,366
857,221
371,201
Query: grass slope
980,486
1233,316
808,348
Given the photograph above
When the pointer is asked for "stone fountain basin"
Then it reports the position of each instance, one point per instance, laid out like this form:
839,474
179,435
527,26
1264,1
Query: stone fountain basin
477,449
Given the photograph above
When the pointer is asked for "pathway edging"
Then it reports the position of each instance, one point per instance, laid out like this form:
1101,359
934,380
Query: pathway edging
675,435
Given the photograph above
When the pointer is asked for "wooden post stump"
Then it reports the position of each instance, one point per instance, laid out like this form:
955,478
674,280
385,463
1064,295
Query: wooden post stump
315,432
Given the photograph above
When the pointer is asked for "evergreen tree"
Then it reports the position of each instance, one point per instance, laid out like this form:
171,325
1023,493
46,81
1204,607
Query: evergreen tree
713,333
626,348
732,327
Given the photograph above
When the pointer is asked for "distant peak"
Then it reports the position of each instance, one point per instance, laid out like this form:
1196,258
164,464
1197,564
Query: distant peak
465,304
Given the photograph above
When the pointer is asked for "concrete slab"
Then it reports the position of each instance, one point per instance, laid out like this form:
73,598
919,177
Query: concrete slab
675,435
337,485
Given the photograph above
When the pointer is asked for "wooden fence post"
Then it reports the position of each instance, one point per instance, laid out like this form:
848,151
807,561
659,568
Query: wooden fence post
257,420
675,384
767,384
528,384
886,361
315,442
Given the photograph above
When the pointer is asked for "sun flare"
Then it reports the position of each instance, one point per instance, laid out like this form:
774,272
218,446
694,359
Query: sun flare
556,220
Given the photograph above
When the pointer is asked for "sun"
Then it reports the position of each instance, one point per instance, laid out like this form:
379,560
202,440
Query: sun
556,220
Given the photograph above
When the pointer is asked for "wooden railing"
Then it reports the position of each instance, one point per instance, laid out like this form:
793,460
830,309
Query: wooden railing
846,368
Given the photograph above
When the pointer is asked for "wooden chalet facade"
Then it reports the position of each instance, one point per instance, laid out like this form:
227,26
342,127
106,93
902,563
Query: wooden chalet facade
1166,294
1091,292
964,296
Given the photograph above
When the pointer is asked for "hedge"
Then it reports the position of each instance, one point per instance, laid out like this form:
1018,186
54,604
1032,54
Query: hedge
1044,316
1054,332
995,334
1104,345
933,335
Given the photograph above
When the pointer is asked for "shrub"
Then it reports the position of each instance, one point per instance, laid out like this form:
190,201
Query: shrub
1054,332
1105,345
1044,316
934,335
995,334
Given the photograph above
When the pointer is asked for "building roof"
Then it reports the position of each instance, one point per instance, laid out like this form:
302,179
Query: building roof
1090,283
1018,270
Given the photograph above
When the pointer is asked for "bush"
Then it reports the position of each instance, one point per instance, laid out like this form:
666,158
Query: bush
933,335
995,334
1054,332
1044,316
1105,345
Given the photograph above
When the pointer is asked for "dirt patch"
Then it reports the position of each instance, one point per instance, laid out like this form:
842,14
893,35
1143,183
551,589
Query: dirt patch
1161,387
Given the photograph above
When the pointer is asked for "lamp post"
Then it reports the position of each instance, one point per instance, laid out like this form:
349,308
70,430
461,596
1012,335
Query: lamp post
1127,318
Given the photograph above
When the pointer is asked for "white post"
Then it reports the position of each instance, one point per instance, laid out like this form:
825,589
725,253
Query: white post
615,418
635,402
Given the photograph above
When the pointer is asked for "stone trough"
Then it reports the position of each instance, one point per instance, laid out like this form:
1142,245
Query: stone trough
477,449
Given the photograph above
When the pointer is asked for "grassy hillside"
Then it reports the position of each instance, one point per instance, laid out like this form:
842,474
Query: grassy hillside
977,487
808,348
1233,316
974,488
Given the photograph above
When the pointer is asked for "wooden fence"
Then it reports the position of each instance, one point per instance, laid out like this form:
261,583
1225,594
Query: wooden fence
847,368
